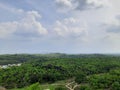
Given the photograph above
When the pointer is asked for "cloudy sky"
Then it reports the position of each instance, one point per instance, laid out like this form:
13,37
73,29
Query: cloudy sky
65,26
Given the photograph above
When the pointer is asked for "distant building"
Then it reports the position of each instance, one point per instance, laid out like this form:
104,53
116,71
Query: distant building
9,65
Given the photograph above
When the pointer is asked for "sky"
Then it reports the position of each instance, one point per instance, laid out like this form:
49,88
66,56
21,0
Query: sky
64,26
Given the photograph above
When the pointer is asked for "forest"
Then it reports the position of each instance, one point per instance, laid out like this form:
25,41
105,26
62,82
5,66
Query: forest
76,72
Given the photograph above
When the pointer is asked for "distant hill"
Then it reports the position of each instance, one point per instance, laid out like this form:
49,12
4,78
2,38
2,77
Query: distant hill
20,58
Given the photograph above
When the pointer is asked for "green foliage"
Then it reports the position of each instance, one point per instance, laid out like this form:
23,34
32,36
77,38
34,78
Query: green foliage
115,72
81,77
84,87
116,86
34,87
60,88
102,81
13,59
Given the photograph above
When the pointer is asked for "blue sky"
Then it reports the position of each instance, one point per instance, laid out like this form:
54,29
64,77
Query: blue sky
65,26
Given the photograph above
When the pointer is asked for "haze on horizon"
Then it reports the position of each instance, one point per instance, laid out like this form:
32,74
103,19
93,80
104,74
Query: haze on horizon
65,26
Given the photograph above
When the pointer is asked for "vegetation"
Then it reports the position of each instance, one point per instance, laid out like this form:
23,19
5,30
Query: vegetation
34,87
80,78
91,72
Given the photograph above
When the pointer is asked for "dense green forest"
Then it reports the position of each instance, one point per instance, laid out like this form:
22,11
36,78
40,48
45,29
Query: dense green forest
88,72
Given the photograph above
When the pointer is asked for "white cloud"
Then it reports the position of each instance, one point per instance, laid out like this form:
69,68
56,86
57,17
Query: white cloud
70,27
93,26
99,3
66,5
27,26
6,29
98,14
113,30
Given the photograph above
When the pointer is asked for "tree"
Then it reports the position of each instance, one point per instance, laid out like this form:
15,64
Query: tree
81,77
116,86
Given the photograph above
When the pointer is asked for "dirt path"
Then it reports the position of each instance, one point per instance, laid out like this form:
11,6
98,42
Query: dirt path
1,88
75,86
70,87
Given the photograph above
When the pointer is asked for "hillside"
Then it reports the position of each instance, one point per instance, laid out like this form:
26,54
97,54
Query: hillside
93,71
